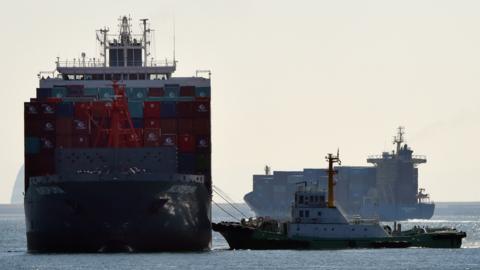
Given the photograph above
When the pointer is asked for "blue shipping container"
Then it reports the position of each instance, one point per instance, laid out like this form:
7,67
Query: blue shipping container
137,122
186,163
172,91
202,92
105,93
44,93
136,109
168,109
65,109
136,93
91,92
59,92
32,145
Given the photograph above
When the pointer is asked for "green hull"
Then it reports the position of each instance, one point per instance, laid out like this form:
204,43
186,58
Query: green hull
242,237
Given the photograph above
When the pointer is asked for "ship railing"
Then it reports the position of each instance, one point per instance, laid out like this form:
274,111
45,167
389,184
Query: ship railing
389,156
47,74
356,219
95,63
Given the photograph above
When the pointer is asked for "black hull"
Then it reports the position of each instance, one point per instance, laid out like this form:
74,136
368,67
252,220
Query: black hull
139,216
242,237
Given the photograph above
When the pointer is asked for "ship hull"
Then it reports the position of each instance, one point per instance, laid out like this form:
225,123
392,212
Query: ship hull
398,212
139,216
242,237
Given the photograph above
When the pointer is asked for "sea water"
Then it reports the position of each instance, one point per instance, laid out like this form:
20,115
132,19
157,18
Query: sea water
463,216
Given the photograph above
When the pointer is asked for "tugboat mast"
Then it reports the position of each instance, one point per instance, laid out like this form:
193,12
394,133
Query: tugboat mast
331,172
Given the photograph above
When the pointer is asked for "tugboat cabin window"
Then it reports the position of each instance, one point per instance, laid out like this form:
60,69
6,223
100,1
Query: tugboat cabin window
300,213
319,213
300,199
307,213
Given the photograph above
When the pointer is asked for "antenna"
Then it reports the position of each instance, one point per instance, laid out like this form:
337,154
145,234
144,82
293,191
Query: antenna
174,61
145,41
103,43
267,170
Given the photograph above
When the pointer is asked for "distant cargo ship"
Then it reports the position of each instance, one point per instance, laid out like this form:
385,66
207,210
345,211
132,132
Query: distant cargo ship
118,166
388,190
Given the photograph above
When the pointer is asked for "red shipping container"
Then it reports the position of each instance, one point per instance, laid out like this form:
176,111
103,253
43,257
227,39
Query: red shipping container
54,100
81,127
201,109
151,123
64,125
39,164
187,91
185,125
168,125
31,110
156,92
83,110
151,109
48,109
63,141
185,109
100,109
186,143
139,132
47,144
151,137
33,127
80,141
168,139
201,126
47,126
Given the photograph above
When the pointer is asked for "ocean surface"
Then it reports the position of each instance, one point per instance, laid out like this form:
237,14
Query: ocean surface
463,216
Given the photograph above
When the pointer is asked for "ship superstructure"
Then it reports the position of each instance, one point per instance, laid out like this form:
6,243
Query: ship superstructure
388,190
117,153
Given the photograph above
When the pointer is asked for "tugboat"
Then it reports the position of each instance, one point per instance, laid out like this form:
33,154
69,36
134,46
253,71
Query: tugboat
318,224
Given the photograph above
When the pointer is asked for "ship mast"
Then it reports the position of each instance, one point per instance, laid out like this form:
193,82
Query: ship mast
331,172
145,41
398,140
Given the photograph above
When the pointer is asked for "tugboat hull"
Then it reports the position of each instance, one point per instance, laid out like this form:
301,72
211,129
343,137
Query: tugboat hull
242,237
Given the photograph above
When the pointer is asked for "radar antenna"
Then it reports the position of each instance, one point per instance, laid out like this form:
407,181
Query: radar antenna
102,39
399,138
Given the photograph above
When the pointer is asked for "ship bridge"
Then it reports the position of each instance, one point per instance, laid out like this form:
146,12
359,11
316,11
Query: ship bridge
125,56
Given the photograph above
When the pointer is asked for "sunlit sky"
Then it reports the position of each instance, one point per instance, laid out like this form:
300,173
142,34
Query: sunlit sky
291,80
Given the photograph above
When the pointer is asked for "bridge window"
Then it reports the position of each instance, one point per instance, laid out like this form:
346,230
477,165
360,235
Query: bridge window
300,213
307,213
300,199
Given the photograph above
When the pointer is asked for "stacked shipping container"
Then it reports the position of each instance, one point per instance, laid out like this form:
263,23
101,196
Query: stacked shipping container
73,117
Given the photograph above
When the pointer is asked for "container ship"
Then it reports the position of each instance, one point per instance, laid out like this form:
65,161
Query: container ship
388,190
118,153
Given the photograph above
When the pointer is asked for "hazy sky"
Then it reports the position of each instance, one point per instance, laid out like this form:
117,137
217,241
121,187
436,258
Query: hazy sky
291,80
